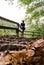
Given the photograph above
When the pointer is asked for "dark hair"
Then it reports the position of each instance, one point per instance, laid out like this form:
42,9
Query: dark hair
22,20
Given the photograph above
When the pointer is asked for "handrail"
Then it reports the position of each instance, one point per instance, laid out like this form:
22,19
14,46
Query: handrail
7,20
32,33
5,27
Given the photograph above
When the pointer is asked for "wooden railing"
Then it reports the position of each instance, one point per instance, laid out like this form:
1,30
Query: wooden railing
32,34
17,28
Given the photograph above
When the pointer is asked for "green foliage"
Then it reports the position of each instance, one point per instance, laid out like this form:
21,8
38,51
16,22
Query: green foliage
1,32
41,29
36,5
37,14
26,2
42,12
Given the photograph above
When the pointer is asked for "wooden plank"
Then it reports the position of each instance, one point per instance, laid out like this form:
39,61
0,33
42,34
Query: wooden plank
2,18
33,34
5,27
32,31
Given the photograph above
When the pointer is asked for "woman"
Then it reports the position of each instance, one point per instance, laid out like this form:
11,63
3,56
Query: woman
23,27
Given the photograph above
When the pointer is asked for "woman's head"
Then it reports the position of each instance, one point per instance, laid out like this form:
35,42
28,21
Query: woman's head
23,21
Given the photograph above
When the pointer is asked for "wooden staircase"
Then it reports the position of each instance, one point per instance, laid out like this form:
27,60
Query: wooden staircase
12,43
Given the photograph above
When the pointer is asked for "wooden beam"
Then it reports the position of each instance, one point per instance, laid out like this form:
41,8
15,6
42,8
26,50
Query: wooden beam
2,18
33,31
5,27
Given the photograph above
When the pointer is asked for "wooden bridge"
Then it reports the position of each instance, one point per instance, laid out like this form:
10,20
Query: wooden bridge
18,28
17,38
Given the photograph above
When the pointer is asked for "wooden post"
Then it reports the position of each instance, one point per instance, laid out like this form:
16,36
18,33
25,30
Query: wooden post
32,34
17,30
